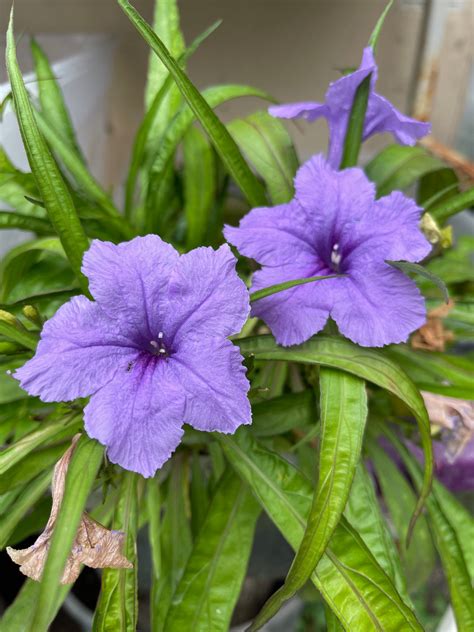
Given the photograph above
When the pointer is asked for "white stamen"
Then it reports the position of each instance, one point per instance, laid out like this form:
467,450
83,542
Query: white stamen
160,335
154,344
336,256
162,351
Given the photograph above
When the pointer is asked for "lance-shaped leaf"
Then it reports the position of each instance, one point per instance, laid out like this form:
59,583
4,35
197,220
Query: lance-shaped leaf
286,285
446,540
53,190
267,145
206,595
364,514
407,267
280,414
117,608
368,364
19,221
446,209
217,132
18,616
80,478
343,417
51,98
199,176
348,577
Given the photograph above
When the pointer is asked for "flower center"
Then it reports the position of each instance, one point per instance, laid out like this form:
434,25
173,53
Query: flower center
336,258
157,347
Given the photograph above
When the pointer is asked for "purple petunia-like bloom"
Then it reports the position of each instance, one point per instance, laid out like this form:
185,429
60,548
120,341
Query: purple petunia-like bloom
152,351
381,115
334,225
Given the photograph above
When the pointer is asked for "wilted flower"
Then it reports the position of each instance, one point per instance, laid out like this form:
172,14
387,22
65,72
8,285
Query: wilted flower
334,225
432,336
94,545
381,115
152,350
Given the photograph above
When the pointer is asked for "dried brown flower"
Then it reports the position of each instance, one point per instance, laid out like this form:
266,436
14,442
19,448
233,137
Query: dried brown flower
432,336
94,545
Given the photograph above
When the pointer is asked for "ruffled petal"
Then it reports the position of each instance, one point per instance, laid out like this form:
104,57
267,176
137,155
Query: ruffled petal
296,314
206,296
378,307
391,231
138,416
274,236
213,378
129,281
382,116
308,110
80,350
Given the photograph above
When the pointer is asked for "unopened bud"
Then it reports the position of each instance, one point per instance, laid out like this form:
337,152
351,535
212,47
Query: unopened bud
33,315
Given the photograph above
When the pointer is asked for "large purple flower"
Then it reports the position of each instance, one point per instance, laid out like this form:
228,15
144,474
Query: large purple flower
381,115
152,350
335,225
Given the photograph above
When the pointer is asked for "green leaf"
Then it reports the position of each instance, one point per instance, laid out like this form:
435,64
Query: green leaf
281,287
368,364
407,267
455,204
281,414
455,265
53,190
374,38
268,146
419,558
80,479
398,167
18,616
217,132
176,544
16,186
436,186
51,98
207,593
19,221
141,143
447,543
166,26
117,608
198,495
348,577
363,513
83,178
199,177
153,498
355,126
343,418
14,453
29,467
28,496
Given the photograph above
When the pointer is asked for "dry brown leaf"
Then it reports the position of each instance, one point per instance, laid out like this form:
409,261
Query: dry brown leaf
94,545
432,336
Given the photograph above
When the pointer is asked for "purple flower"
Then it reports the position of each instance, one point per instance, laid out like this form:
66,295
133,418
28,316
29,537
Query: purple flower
152,350
381,115
335,225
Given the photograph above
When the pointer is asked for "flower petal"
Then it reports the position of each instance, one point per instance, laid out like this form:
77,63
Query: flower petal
378,307
391,231
80,350
213,377
308,110
296,314
138,416
129,281
382,116
206,296
274,236
336,201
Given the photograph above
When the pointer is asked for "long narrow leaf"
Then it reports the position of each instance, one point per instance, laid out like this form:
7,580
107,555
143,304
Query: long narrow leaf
207,593
286,285
343,417
117,608
368,364
455,204
54,192
220,137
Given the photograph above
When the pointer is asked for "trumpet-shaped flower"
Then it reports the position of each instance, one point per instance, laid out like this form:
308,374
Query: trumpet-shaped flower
334,225
381,115
152,350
